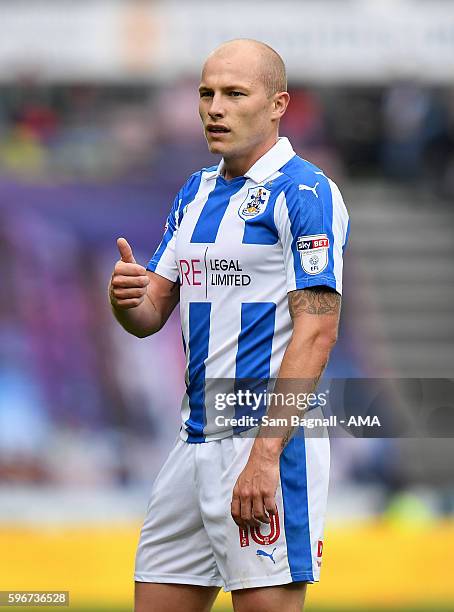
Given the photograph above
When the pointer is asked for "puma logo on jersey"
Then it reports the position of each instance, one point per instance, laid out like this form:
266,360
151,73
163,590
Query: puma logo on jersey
307,188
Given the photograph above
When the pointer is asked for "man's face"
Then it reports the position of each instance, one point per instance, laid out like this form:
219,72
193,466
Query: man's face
235,110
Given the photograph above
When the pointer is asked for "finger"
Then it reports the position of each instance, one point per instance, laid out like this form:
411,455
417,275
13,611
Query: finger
130,282
258,509
129,303
124,294
270,505
125,250
129,269
235,510
246,512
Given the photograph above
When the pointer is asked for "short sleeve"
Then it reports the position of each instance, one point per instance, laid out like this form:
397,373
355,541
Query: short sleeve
163,261
313,227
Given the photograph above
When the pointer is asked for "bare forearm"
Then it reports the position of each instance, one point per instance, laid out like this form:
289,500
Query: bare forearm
315,314
297,375
301,369
254,494
305,360
141,321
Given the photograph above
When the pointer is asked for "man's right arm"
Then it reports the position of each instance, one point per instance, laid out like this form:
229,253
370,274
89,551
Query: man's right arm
141,301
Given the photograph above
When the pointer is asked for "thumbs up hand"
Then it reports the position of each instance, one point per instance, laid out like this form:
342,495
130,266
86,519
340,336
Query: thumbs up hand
128,285
125,251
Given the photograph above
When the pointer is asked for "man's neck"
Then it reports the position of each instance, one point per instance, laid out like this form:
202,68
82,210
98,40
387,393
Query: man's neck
239,166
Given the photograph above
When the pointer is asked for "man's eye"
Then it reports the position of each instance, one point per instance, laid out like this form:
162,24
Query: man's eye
236,94
206,94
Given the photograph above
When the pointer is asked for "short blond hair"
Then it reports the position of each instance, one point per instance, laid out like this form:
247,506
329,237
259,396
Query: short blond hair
272,68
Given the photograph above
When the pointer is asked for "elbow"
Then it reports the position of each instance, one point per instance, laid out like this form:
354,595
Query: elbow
322,340
329,336
143,333
327,342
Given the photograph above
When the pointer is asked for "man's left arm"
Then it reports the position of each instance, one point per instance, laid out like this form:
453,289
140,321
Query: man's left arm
315,315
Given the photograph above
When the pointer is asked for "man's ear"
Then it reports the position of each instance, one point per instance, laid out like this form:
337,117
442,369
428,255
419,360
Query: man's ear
280,103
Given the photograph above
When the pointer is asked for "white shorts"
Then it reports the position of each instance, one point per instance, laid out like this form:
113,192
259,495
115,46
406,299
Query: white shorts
189,536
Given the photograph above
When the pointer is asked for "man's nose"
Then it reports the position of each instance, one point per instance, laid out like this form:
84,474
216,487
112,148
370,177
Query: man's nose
216,109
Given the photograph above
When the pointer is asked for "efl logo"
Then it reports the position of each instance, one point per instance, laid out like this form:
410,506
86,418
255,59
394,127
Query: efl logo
258,537
313,252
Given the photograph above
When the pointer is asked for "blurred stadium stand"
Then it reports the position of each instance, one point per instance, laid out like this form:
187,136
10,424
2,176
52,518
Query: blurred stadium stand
103,171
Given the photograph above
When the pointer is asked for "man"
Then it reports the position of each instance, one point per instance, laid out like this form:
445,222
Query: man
253,251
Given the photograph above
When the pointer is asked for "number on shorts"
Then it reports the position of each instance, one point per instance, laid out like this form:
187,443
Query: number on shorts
258,537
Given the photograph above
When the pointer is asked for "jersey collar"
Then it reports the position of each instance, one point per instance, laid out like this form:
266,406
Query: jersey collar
279,154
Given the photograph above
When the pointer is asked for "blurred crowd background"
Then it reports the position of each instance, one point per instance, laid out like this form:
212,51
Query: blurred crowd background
85,159
82,164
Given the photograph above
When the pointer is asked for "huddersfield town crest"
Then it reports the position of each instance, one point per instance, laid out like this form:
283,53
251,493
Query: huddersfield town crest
255,202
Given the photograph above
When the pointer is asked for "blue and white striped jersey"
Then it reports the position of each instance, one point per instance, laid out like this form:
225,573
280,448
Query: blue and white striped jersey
237,248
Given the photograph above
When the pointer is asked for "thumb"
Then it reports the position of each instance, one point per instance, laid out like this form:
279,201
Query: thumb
125,251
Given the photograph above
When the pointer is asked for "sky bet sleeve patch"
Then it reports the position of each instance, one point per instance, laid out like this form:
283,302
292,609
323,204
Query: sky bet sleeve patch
313,252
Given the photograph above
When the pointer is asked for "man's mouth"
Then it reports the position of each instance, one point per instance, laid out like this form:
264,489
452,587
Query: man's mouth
217,129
